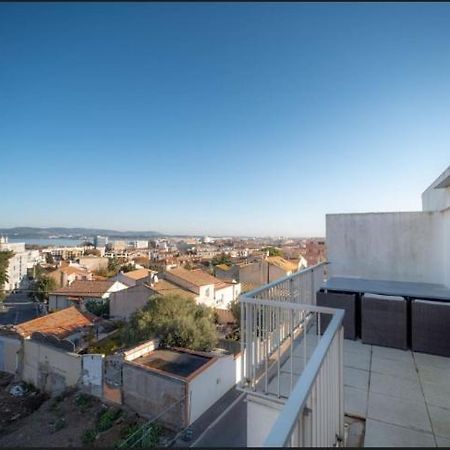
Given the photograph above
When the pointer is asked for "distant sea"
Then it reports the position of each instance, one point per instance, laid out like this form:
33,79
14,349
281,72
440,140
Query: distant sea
49,242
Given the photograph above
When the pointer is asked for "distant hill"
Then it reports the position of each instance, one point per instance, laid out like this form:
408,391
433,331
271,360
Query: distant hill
75,233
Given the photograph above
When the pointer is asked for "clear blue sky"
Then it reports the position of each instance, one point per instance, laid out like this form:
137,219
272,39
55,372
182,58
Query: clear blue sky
219,118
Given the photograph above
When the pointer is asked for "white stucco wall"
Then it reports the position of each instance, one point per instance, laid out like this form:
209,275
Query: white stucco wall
437,199
209,385
261,415
402,246
9,348
49,368
125,302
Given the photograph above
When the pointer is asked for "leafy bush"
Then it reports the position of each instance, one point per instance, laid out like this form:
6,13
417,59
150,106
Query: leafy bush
107,419
60,424
99,308
142,437
88,436
83,401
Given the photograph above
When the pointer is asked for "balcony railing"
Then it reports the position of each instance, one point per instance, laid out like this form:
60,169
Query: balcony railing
293,354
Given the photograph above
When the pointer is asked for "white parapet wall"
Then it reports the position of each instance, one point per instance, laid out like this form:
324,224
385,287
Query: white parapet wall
399,246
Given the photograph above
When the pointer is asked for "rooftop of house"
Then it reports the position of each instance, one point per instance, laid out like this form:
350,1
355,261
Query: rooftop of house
179,362
282,263
61,323
164,287
223,267
196,277
137,274
81,288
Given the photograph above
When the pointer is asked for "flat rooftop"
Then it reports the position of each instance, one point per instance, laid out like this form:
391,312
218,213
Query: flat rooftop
176,362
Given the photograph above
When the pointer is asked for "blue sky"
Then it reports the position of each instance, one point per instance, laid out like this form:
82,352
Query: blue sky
219,118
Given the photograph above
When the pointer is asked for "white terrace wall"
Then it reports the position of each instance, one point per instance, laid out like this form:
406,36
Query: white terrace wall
210,384
402,246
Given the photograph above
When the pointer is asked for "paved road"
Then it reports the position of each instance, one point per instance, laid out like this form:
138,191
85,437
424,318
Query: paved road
17,308
230,430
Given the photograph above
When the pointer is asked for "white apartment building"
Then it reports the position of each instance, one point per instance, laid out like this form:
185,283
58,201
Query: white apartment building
19,263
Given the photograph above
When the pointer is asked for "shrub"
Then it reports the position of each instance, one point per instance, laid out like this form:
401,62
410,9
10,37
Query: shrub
88,436
107,418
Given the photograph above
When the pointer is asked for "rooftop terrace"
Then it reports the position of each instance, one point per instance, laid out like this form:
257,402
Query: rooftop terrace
179,363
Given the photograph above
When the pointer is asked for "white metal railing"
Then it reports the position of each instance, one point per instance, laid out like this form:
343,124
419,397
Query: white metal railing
283,332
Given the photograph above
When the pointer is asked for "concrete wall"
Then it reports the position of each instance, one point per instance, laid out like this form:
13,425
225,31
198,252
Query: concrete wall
124,303
252,273
150,394
9,348
402,246
437,199
446,244
210,384
94,263
48,368
261,415
92,374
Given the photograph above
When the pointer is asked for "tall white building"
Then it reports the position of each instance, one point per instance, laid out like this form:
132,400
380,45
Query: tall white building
21,260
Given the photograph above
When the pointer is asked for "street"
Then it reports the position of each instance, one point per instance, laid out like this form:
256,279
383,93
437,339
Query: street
17,308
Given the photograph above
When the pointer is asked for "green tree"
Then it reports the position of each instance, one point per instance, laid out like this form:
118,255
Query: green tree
223,258
98,308
176,320
43,286
49,258
127,268
4,263
113,266
273,251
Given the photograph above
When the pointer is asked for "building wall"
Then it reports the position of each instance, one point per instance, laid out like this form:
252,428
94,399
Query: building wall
150,394
261,416
48,368
94,263
92,374
57,302
210,384
252,273
9,348
402,246
125,302
437,199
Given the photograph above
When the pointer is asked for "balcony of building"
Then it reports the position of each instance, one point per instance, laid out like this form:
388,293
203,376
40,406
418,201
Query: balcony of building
355,352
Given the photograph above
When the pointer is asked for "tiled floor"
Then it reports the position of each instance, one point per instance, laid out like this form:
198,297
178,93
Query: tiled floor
404,396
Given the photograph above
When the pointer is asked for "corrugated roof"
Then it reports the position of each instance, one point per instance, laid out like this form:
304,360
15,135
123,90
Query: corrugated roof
60,323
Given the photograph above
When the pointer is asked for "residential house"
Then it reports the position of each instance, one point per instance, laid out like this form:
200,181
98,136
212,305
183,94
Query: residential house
19,264
66,329
93,263
261,270
65,275
80,292
134,277
209,290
